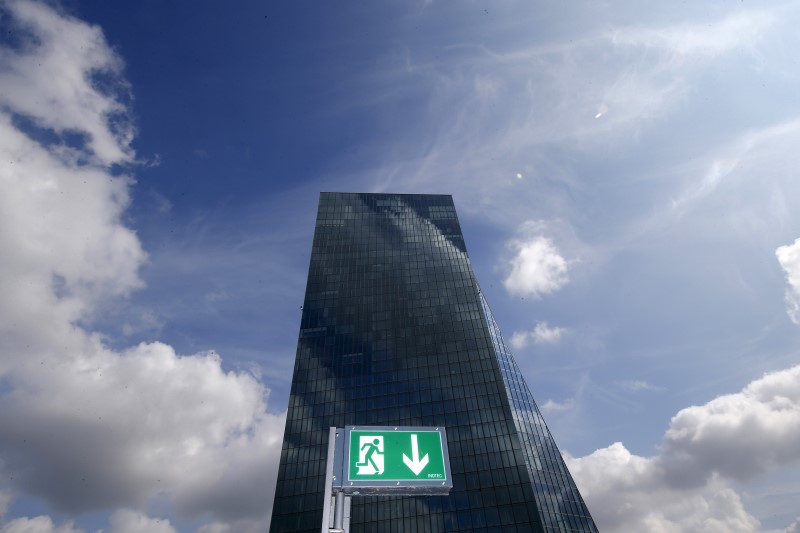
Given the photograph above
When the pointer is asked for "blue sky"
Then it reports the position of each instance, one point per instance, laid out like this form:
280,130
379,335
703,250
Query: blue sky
626,178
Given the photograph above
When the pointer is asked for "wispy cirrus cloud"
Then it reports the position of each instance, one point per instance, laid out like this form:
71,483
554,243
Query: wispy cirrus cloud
505,108
758,160
736,30
638,385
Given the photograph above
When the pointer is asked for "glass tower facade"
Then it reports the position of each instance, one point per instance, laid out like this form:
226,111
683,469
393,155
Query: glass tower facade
395,331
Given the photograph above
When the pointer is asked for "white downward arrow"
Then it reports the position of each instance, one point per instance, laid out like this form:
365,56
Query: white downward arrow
415,463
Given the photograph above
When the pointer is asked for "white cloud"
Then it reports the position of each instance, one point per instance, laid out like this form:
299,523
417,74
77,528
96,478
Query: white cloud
39,524
120,521
240,526
537,267
686,487
751,174
63,223
551,406
542,334
84,427
127,521
738,435
794,528
50,79
736,30
626,492
519,339
637,385
640,81
166,423
590,93
718,170
789,259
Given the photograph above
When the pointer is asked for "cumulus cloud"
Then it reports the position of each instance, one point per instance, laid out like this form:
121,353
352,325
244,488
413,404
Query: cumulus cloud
84,427
537,267
627,492
542,333
737,435
127,521
119,428
240,526
519,339
686,487
794,528
552,406
54,78
789,259
39,524
120,521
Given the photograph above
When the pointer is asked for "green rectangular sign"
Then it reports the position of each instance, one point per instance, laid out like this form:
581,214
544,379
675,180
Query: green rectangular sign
396,455
391,460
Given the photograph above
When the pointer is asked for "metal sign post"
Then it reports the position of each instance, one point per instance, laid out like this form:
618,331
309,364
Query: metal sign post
334,522
326,505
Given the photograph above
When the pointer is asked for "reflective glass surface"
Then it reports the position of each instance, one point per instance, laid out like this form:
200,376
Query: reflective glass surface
395,331
560,504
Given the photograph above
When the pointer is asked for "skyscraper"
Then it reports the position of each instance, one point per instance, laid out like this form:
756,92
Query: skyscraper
396,331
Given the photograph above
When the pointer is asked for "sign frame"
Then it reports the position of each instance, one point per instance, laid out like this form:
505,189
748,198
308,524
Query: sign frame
390,487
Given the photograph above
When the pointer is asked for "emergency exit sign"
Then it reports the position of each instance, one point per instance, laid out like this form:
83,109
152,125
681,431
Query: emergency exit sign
395,460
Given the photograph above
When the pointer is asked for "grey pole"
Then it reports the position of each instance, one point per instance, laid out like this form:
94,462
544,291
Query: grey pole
338,512
326,506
